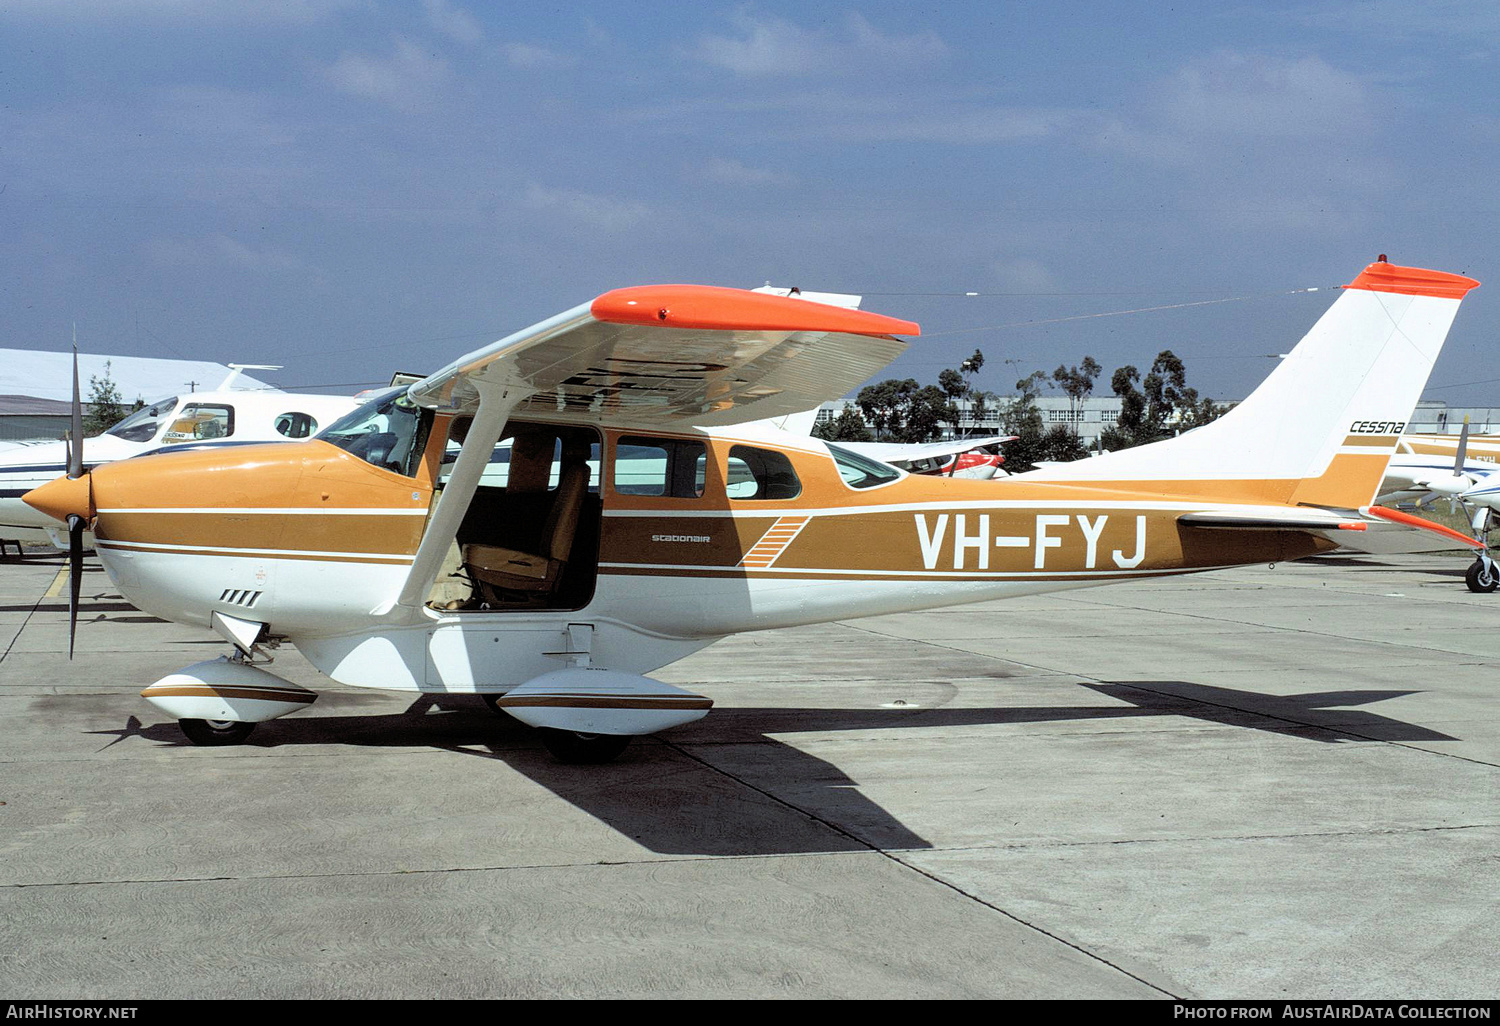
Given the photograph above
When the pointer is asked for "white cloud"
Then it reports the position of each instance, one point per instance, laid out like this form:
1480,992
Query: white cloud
775,47
1020,274
535,58
726,171
224,251
183,12
409,80
453,22
603,213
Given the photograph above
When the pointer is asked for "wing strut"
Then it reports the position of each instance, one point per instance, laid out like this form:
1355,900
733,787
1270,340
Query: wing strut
496,401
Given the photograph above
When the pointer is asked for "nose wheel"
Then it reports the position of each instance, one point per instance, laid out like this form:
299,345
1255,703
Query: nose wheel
216,732
574,747
1481,576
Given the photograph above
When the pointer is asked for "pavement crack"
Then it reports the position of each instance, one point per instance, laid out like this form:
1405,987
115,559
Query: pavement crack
892,856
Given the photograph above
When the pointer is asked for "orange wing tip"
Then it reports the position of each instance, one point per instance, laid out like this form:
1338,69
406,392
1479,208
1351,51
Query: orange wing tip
708,307
1396,516
1353,525
1412,281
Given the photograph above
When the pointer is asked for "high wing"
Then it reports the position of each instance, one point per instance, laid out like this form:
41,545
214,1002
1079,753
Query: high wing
675,354
900,454
658,355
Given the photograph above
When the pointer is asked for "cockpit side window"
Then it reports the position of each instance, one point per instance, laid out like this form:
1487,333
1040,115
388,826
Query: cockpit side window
199,422
388,432
143,424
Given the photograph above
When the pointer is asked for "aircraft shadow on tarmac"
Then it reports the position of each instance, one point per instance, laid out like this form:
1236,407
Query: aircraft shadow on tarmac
734,788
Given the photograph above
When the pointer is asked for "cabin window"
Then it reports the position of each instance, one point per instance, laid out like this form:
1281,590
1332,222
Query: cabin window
201,422
388,432
143,424
668,467
861,471
295,425
762,474
504,456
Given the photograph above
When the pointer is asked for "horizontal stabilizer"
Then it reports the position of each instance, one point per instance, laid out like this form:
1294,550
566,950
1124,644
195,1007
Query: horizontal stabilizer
1273,520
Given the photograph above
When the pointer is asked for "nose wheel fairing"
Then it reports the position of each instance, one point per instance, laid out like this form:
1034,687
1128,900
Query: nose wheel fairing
224,690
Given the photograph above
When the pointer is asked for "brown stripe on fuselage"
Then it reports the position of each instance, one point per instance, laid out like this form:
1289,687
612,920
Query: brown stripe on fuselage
976,543
324,557
687,541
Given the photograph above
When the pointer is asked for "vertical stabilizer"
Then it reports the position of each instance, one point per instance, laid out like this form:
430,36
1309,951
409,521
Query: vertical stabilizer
1320,429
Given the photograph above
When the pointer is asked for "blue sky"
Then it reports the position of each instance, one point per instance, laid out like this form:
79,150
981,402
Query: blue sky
351,187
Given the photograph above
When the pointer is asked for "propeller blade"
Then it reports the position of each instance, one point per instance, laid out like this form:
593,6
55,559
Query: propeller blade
1463,450
75,575
75,450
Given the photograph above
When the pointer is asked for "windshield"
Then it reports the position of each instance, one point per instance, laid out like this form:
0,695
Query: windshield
388,432
861,471
143,424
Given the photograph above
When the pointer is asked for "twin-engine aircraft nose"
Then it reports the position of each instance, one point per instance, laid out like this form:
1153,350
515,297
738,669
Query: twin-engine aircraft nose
63,498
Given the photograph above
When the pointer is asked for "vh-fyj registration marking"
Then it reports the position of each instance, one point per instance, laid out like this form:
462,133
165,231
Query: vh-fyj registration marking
972,535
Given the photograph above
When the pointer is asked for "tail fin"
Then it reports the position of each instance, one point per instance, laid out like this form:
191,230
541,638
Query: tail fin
1320,430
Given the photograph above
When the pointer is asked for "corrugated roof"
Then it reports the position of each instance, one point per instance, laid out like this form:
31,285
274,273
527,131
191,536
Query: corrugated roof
42,375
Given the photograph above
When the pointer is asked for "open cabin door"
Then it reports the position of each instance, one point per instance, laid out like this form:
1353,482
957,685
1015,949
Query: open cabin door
529,539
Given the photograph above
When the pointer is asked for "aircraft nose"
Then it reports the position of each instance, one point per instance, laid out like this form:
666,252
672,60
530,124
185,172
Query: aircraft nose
63,498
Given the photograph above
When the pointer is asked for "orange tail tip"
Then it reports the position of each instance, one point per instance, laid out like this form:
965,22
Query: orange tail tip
1412,281
63,498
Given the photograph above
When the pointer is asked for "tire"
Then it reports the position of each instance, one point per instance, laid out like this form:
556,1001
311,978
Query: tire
1481,578
579,749
210,733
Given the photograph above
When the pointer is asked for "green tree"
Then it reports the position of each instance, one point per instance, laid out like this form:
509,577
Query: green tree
1020,416
929,409
848,426
1162,406
1077,384
104,406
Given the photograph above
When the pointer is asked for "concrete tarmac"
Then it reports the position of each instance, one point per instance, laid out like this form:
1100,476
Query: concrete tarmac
1263,783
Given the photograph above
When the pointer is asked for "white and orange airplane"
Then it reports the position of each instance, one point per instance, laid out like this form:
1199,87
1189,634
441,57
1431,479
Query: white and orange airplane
570,592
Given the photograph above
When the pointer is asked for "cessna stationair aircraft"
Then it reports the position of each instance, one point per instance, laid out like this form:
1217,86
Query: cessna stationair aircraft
572,583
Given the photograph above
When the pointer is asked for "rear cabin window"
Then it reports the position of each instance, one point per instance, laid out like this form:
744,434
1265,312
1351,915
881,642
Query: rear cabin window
861,471
669,467
761,474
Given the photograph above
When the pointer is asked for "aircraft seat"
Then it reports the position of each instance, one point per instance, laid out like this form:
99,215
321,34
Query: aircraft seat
497,569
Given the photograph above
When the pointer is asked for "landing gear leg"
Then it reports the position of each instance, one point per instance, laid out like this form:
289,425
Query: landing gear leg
573,747
216,732
1483,576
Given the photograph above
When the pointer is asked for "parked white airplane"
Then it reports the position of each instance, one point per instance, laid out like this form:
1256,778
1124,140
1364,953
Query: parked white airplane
579,590
961,457
224,416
